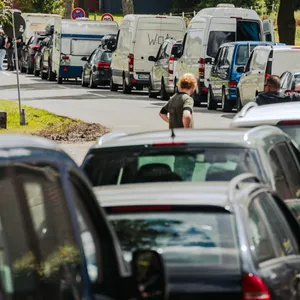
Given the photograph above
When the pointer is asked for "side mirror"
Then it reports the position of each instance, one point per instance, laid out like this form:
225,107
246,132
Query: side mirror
149,274
208,60
240,69
84,58
152,58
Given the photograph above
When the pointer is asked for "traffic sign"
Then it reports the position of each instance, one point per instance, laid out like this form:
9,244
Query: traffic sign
78,13
107,17
19,25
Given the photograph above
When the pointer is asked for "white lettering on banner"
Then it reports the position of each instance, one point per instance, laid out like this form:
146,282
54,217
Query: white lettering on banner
158,39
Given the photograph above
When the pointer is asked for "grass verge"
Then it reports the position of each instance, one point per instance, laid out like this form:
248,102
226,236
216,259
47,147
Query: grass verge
42,123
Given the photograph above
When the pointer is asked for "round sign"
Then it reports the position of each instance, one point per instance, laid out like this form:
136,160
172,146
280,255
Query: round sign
107,17
78,13
19,24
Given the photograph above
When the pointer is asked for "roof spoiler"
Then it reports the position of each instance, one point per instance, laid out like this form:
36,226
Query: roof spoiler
246,108
109,136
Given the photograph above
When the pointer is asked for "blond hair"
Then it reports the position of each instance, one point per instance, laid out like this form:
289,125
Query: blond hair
187,81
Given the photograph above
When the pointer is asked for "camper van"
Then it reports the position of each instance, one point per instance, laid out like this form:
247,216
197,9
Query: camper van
73,40
37,23
140,37
211,28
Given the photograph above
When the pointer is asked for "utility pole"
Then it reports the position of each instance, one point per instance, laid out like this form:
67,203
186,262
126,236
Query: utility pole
128,7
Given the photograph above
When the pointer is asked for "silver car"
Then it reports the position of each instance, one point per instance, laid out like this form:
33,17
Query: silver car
162,74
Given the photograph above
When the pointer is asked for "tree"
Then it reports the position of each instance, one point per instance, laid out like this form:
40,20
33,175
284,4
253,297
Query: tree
286,22
5,15
68,9
127,6
40,6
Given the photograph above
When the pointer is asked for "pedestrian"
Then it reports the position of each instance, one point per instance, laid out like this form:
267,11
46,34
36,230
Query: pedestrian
180,106
20,45
10,54
272,94
2,48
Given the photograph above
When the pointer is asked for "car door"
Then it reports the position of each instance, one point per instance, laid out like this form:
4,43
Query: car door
283,82
25,51
88,66
216,72
156,68
270,252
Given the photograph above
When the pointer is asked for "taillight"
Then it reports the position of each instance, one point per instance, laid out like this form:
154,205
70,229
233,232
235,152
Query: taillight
130,62
254,288
165,144
289,91
65,57
171,65
232,84
267,76
32,59
289,122
201,68
36,47
103,65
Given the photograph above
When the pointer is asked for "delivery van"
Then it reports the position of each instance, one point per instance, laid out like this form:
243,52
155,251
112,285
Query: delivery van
140,37
211,28
37,23
73,40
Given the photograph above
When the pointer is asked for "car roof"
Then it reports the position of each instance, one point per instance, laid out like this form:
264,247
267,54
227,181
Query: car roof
164,193
237,137
254,115
244,43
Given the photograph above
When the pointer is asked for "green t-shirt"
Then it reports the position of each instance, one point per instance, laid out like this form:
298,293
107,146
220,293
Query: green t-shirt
176,106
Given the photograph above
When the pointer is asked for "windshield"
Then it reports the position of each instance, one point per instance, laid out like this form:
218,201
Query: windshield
216,39
293,131
157,165
243,54
190,238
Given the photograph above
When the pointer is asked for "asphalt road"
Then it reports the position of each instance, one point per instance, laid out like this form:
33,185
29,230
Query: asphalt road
119,112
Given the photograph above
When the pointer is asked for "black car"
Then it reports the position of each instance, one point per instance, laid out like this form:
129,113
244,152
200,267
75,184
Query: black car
46,60
97,70
55,240
235,240
38,56
28,53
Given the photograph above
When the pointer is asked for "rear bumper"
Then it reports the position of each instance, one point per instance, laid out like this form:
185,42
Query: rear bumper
134,80
102,76
231,94
70,71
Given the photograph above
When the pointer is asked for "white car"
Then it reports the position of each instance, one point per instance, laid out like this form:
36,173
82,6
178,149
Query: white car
283,115
289,80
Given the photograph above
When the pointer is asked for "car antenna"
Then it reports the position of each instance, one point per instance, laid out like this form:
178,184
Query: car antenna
173,136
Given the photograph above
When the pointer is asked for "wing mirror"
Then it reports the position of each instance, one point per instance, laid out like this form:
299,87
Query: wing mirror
149,274
152,58
208,60
240,69
84,58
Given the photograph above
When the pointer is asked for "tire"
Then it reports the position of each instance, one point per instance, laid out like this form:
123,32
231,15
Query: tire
22,68
29,70
50,75
126,87
83,83
151,94
92,84
163,93
59,80
239,101
113,87
226,104
36,72
211,103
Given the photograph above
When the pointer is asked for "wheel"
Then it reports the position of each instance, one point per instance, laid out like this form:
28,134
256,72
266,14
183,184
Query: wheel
226,104
50,75
113,87
163,93
29,70
36,72
211,103
92,84
43,75
59,80
239,101
83,83
151,94
126,87
22,68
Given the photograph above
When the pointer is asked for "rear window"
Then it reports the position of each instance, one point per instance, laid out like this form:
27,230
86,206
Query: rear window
183,238
216,39
243,54
157,164
293,131
106,56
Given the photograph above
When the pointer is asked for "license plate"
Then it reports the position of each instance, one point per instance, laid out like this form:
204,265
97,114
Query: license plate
143,76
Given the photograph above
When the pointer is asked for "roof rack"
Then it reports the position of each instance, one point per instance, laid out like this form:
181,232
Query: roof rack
234,183
110,136
247,107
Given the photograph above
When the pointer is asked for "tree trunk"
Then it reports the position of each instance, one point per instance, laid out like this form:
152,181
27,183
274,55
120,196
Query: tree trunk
68,9
286,22
128,7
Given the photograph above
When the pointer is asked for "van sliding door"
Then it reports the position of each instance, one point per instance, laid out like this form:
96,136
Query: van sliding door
248,30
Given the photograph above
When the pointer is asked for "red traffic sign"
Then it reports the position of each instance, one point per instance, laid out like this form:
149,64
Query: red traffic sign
78,13
107,17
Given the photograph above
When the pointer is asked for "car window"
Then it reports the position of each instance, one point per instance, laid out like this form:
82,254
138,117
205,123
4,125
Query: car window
227,59
194,43
185,237
260,60
286,84
295,81
164,54
259,235
155,165
294,206
91,57
282,234
216,39
160,51
218,57
250,61
243,54
283,81
106,56
293,131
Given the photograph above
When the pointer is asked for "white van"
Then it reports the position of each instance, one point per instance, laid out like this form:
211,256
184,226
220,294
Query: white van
263,62
140,37
37,23
211,28
73,40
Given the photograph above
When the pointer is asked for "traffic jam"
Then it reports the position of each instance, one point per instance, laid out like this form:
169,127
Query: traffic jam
117,226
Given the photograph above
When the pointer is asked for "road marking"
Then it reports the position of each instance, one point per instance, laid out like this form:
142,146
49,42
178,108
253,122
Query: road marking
6,73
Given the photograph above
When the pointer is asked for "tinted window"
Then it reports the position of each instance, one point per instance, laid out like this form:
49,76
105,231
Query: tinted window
227,60
294,206
158,164
200,238
194,43
293,131
248,31
259,235
216,39
243,54
284,84
260,60
107,56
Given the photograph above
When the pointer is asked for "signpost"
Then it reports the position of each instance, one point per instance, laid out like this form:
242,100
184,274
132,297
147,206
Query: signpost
107,17
78,13
14,31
